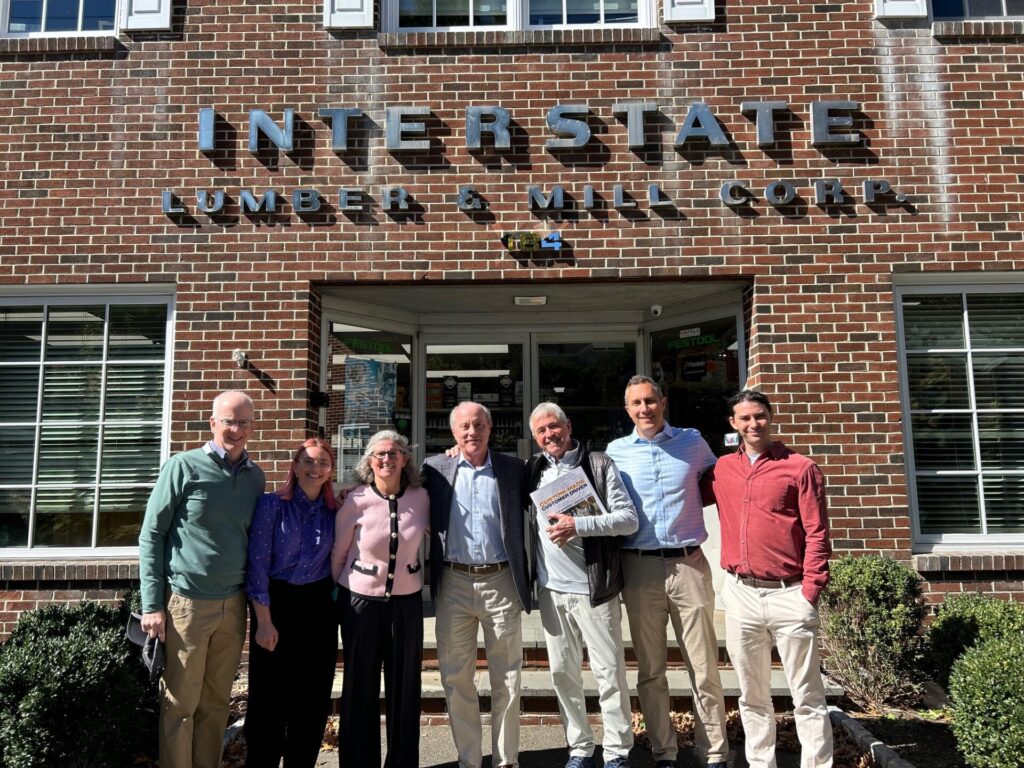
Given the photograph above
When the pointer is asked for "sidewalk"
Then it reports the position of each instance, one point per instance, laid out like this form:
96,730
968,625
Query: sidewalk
543,746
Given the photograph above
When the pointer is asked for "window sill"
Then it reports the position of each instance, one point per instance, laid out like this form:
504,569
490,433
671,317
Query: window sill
68,44
69,570
978,28
953,562
530,37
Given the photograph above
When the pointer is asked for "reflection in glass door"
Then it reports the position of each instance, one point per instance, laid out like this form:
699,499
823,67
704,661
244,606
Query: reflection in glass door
587,379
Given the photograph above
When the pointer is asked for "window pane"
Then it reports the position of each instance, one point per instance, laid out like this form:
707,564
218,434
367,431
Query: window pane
545,12
948,505
17,447
21,333
131,454
137,331
980,8
14,506
26,16
583,11
942,441
948,9
134,392
995,319
489,13
64,517
1015,7
61,15
1004,504
999,381
19,393
931,321
98,14
621,12
71,393
452,13
121,512
68,454
1001,437
937,381
415,13
75,333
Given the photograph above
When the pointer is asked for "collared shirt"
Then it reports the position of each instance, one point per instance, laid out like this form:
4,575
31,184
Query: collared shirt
774,517
288,541
564,568
662,476
474,530
212,448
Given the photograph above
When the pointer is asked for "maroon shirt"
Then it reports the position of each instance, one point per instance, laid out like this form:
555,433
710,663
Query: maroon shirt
773,516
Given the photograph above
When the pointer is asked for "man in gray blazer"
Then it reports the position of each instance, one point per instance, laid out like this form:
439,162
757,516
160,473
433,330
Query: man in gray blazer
478,576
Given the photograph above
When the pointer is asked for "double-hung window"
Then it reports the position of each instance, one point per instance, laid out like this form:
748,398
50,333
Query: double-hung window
83,398
963,365
412,15
53,17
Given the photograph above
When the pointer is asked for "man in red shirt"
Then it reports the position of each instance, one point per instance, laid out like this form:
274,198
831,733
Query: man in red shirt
775,548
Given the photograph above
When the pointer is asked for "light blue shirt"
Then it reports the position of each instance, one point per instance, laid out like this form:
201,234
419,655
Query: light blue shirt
662,476
474,530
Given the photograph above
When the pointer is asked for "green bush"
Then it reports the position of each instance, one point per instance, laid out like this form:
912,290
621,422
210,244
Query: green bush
871,616
965,620
986,690
73,691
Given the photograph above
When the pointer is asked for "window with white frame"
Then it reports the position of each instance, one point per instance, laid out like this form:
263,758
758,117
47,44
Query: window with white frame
82,401
53,17
963,362
411,15
977,9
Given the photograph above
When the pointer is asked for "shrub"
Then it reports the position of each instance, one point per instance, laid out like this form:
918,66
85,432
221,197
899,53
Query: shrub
871,615
73,691
966,620
987,694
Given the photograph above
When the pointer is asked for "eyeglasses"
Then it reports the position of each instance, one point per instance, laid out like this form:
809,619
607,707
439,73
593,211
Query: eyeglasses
232,423
310,463
381,455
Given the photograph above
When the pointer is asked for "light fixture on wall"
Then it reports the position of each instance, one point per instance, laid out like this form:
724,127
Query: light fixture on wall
531,301
241,359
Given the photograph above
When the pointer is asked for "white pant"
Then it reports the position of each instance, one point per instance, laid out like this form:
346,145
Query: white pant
752,618
465,603
569,620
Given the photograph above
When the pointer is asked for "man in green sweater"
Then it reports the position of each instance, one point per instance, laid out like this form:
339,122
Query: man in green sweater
192,553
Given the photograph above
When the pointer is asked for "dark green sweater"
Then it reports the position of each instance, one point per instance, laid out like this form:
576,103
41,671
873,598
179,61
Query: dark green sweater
195,535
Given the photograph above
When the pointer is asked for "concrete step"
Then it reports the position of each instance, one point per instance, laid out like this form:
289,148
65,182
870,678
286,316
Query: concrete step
537,693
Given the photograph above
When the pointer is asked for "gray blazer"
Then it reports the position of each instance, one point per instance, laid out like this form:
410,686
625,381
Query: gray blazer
510,475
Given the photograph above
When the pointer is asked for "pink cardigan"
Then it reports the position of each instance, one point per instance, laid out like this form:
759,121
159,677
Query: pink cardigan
363,530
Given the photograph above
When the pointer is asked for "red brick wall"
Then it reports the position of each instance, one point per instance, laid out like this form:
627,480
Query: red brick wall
90,139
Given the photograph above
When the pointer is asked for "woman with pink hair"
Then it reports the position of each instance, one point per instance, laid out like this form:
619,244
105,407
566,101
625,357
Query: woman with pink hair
293,640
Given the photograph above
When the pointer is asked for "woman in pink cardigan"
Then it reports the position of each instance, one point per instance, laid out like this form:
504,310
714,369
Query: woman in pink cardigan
376,563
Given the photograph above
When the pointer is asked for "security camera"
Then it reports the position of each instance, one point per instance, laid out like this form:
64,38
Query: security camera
656,310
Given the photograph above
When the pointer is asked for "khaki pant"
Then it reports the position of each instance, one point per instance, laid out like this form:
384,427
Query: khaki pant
678,590
753,617
465,603
204,645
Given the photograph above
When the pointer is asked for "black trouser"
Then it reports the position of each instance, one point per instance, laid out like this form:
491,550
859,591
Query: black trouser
290,687
375,634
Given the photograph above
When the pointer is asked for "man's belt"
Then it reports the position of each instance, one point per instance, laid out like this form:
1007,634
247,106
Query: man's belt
666,554
750,581
477,570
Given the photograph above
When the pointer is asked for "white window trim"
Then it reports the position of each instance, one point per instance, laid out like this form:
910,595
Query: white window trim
518,15
944,284
108,294
5,12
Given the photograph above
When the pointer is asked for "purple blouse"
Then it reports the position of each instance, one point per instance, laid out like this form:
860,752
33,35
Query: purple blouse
289,541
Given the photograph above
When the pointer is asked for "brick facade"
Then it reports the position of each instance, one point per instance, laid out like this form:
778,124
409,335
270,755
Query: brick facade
93,132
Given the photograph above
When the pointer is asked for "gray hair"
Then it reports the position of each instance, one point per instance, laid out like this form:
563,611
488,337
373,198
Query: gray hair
410,472
230,394
641,379
451,416
548,409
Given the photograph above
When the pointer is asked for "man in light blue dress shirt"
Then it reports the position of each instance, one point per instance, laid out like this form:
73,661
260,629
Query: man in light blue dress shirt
478,578
667,577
